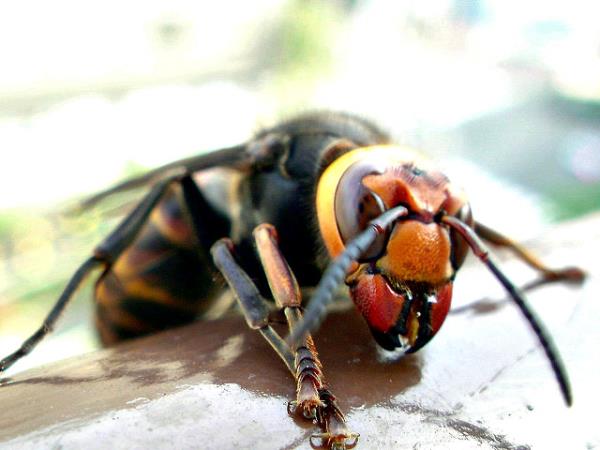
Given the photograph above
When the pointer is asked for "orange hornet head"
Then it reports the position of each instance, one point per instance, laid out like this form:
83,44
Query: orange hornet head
403,284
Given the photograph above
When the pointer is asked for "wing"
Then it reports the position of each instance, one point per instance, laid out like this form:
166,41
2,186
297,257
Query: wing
234,157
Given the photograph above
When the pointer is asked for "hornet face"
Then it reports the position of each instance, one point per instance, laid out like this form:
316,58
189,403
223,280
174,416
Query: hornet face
403,283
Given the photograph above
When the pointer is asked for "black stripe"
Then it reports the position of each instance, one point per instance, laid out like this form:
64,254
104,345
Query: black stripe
156,315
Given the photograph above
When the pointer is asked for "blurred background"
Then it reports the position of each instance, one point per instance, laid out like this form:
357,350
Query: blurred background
504,94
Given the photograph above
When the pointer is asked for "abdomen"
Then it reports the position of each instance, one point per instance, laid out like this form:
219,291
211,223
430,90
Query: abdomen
163,279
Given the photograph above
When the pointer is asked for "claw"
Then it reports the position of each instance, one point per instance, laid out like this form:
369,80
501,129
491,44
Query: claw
313,441
568,274
352,440
292,407
334,442
308,408
309,413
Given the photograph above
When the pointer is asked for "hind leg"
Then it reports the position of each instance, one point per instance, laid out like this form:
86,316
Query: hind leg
103,256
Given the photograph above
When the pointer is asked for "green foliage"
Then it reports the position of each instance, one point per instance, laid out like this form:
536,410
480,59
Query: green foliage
304,49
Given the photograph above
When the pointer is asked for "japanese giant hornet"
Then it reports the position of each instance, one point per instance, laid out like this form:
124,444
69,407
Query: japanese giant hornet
313,202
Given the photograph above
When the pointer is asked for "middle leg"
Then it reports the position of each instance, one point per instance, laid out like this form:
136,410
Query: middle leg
548,274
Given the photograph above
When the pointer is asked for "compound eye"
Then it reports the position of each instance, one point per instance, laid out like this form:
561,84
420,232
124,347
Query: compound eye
355,205
459,246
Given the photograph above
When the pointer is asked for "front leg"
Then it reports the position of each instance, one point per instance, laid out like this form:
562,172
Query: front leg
313,399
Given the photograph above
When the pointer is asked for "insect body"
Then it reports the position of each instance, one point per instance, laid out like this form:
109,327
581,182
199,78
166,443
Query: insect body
315,201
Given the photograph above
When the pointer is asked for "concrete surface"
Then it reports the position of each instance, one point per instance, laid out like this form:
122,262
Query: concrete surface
481,383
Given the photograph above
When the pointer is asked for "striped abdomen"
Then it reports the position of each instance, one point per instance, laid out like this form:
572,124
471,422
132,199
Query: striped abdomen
163,279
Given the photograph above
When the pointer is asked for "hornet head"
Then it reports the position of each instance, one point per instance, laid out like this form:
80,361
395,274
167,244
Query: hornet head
402,284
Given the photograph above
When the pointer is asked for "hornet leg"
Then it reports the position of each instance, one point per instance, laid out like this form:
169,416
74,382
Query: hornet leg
253,305
103,256
313,399
570,274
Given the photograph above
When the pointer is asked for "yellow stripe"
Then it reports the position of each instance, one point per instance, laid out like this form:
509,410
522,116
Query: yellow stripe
326,188
137,287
